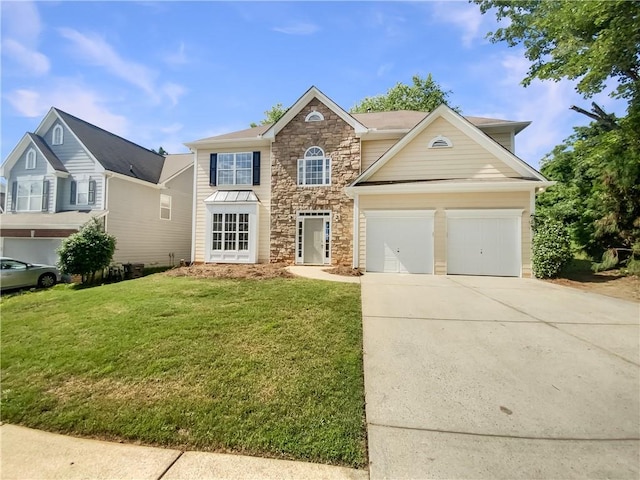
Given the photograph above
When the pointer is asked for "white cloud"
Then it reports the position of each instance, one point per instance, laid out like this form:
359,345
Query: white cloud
31,60
178,58
97,51
298,28
173,91
464,16
173,128
71,97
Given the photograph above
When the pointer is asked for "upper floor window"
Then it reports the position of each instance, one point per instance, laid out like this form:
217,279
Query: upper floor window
165,207
31,159
83,192
440,142
29,196
242,168
314,168
314,116
57,135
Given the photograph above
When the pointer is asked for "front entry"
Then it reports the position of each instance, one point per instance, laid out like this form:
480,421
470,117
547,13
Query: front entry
313,238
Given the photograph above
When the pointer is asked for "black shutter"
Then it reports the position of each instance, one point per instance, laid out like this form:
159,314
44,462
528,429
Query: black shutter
45,195
256,168
213,168
14,196
92,192
72,198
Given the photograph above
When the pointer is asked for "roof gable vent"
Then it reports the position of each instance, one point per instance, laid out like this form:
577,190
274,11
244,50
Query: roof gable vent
440,142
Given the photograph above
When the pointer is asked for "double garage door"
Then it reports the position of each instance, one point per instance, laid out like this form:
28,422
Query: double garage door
478,242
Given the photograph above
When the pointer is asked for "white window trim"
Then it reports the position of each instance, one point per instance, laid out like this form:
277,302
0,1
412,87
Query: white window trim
436,142
57,128
300,217
31,160
302,168
314,116
85,184
235,170
162,195
29,181
231,256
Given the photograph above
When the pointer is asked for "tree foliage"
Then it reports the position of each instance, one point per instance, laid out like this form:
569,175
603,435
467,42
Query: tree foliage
423,95
86,252
589,41
272,115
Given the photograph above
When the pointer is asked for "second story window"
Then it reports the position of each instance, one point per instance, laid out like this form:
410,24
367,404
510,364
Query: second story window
83,192
165,207
57,135
242,168
31,159
314,168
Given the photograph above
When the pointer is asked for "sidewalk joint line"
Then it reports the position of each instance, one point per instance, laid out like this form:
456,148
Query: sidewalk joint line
170,465
516,437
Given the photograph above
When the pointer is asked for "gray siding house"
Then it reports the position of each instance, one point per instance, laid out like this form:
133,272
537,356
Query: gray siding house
69,171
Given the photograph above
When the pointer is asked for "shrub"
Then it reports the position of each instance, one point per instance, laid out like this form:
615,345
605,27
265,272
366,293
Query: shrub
551,247
86,252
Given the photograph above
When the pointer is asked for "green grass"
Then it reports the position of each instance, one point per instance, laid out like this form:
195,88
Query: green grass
261,367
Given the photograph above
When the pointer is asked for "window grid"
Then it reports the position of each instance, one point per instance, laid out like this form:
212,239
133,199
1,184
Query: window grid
29,196
235,168
314,168
165,207
31,160
230,231
82,192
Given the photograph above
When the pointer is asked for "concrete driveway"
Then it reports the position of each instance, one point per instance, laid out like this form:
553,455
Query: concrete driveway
484,377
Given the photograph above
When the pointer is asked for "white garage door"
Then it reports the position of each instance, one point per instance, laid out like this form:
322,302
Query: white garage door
484,242
399,241
32,250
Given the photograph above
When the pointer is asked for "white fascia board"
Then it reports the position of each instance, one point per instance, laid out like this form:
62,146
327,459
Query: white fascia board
407,213
302,102
400,188
515,127
177,174
15,155
484,213
229,143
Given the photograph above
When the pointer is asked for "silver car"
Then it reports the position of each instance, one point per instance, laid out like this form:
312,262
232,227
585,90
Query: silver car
16,274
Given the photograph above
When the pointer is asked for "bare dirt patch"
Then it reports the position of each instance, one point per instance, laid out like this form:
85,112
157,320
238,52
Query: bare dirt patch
344,270
611,283
254,271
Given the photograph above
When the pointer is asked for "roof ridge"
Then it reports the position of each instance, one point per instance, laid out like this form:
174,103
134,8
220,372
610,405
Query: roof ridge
107,131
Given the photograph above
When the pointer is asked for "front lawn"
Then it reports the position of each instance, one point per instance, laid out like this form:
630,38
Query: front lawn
261,367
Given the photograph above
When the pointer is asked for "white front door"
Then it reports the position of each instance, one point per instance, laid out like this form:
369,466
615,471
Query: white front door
484,243
399,241
313,241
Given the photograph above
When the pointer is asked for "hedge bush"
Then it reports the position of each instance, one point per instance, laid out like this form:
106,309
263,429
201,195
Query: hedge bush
551,247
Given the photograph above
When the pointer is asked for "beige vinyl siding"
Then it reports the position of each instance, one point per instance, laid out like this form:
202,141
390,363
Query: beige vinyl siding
503,138
134,219
441,202
465,159
204,190
372,150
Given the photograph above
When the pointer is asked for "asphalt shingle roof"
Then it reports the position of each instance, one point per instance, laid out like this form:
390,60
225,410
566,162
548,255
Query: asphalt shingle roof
51,157
115,153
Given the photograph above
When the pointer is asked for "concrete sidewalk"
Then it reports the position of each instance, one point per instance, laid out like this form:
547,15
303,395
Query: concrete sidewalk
33,454
499,378
320,273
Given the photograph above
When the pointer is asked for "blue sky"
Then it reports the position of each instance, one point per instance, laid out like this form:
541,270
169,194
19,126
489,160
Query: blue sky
164,73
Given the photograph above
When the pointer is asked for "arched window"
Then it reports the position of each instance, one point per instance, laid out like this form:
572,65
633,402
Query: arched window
31,159
440,142
314,116
314,168
57,135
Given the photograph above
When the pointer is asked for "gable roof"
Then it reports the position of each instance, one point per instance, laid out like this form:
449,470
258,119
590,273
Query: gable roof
47,153
466,127
309,95
175,164
115,153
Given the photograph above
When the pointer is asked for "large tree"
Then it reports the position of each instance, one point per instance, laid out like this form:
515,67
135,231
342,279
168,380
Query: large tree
423,95
271,116
595,43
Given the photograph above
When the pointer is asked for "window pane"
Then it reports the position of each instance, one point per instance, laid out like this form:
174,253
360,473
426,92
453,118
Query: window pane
244,160
225,177
243,177
225,160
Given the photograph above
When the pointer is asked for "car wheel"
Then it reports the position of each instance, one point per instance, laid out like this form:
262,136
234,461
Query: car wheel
47,280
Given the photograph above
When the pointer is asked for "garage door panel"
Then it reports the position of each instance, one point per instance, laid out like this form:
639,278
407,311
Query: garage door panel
399,243
484,245
32,250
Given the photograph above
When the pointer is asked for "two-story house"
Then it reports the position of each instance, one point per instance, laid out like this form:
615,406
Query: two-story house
385,192
69,170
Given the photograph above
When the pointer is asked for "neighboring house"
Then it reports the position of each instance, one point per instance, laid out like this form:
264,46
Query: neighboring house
385,192
69,171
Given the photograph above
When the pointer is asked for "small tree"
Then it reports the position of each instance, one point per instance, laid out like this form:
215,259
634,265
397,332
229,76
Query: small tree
551,247
86,252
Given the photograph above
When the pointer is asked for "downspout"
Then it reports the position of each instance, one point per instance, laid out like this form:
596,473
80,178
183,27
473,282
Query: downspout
194,197
105,200
356,231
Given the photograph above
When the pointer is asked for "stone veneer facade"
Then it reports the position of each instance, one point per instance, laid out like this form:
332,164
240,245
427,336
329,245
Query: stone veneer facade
339,142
